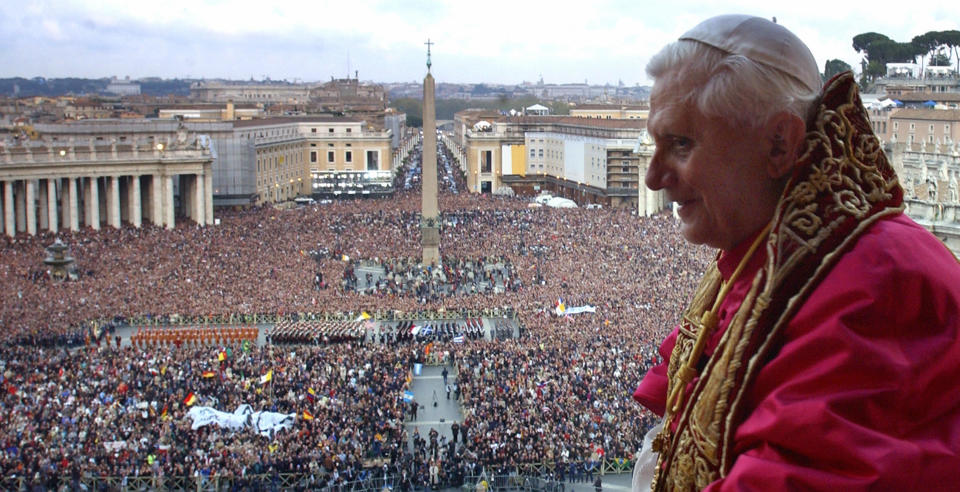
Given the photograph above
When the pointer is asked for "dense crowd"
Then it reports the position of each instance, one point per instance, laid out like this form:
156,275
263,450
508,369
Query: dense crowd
560,393
410,277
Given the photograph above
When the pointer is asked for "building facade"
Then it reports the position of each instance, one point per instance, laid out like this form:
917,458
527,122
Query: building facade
929,175
584,159
929,126
53,185
255,161
611,111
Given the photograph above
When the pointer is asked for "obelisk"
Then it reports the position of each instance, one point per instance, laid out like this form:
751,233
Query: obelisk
429,221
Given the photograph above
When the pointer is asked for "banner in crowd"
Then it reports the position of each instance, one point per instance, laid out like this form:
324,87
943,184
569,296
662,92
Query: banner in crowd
562,310
264,423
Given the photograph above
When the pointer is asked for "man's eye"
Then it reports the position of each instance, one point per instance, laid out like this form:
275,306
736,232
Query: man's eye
682,143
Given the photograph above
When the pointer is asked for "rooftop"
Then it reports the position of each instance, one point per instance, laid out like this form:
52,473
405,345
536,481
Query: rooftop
927,114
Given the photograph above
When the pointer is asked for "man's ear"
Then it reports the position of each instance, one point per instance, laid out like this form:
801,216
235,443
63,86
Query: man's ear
784,134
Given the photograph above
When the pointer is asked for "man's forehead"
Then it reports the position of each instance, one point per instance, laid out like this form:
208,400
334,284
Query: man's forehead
668,114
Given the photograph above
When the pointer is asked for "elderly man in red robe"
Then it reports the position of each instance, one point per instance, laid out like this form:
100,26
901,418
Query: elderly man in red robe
821,350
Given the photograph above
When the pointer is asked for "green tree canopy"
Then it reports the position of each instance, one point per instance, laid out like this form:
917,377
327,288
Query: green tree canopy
833,67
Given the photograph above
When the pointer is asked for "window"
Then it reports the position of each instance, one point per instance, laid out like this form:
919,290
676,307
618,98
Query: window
931,127
330,156
348,156
486,160
329,130
348,130
946,128
913,126
313,156
540,152
896,125
313,130
533,152
372,161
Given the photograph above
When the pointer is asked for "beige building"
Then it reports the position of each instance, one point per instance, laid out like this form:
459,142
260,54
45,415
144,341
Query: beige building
212,112
54,185
611,111
294,153
255,161
584,159
221,92
929,126
929,175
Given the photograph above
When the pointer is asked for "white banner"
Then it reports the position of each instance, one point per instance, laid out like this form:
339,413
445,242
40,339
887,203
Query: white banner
262,422
576,310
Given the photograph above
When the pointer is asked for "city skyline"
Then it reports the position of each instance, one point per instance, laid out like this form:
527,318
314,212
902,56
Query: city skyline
502,43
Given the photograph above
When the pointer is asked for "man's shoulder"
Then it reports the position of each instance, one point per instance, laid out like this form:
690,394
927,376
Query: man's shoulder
896,272
898,246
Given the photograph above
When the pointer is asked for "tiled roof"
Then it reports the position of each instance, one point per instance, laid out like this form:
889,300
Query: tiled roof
926,114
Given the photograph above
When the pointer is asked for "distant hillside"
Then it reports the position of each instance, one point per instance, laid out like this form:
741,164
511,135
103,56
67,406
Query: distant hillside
39,86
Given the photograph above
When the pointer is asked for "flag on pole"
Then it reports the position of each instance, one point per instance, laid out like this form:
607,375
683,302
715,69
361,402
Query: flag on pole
408,396
209,374
163,414
307,415
266,377
190,399
221,356
311,395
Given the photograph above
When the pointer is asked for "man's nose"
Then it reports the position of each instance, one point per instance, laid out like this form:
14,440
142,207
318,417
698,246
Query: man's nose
658,172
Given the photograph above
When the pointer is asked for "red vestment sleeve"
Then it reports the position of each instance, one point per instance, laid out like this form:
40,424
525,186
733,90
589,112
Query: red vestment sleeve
863,393
652,391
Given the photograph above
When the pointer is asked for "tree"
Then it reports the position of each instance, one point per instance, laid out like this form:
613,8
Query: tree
833,67
951,40
939,59
861,44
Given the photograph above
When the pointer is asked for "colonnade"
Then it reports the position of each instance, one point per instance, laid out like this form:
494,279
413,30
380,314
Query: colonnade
42,189
52,204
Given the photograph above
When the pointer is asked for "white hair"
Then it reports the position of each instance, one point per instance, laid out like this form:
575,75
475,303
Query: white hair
728,86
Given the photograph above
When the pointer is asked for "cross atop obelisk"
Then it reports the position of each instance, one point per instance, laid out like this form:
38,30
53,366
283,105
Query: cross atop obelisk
430,213
429,43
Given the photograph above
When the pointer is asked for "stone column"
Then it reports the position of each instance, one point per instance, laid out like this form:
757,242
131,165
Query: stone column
91,199
71,209
9,224
20,204
168,204
199,204
43,203
208,193
52,225
156,200
134,213
30,206
113,201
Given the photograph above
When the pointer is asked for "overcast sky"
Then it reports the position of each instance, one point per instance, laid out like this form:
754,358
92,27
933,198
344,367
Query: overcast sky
476,41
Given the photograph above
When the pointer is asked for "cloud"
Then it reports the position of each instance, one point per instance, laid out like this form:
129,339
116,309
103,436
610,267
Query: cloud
495,41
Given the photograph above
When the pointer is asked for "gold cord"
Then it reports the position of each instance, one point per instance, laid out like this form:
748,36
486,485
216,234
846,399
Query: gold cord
708,324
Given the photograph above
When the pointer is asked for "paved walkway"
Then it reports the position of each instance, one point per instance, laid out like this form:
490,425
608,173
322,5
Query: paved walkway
428,388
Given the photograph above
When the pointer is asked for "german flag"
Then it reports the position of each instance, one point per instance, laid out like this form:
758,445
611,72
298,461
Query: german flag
163,414
307,415
209,374
190,399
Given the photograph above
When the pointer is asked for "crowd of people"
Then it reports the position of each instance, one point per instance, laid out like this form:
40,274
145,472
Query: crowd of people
410,277
558,394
